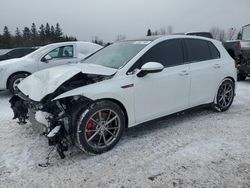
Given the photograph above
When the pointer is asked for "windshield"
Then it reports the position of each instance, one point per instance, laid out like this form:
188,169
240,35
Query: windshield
116,55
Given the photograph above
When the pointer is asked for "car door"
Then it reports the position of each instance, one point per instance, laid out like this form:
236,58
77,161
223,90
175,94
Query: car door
165,92
205,71
58,56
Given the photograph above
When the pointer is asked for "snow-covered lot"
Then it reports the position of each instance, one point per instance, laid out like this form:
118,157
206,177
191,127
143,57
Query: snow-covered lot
198,148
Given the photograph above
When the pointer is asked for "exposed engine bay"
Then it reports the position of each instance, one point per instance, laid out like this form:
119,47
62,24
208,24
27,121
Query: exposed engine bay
57,114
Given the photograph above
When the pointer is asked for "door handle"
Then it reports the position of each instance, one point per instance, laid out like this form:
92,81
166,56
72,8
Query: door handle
69,62
184,73
217,66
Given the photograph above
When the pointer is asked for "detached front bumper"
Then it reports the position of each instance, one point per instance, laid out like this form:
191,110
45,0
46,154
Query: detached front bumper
38,121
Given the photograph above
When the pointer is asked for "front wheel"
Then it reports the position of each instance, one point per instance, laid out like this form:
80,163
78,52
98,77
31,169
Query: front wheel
225,95
99,127
14,81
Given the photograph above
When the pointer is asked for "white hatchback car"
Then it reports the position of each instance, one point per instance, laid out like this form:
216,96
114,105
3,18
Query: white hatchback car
13,71
125,84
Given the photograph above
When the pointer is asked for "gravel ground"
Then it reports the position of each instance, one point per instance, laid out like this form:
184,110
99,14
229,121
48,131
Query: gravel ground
197,148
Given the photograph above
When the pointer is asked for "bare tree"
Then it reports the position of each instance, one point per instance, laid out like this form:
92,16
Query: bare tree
163,31
169,30
215,31
120,37
222,36
218,33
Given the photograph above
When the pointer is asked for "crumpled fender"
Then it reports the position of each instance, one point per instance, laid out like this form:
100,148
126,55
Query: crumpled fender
107,89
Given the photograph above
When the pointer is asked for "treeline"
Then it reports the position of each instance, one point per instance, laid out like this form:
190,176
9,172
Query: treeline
32,36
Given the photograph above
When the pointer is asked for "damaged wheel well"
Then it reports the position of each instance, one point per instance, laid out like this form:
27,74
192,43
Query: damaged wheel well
121,106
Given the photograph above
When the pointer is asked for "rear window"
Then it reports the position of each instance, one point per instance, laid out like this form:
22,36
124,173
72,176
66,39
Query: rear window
198,50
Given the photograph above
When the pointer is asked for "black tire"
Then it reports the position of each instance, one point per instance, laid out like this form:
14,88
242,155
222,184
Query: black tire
14,79
225,96
82,117
241,77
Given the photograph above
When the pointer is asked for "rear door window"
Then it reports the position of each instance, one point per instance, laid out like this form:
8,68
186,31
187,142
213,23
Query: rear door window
197,50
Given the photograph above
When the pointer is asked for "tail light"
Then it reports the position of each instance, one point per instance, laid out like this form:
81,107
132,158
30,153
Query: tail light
235,64
239,46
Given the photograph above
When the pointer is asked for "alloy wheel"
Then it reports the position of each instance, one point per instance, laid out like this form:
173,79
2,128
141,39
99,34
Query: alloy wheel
226,93
102,128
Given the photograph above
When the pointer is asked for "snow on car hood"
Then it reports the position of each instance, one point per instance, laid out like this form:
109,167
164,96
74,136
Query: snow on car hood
44,82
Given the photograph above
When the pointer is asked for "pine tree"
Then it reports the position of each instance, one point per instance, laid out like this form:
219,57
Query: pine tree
47,31
27,36
149,32
6,38
41,35
58,32
1,41
34,34
52,34
18,38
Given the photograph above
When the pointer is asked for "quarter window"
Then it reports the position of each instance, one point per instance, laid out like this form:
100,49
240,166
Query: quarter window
198,50
215,54
168,53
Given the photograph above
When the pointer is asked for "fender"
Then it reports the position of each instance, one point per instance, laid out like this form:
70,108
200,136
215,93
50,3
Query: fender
108,89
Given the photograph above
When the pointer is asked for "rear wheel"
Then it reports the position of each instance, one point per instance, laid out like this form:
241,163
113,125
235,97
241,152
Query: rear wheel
99,127
15,80
225,95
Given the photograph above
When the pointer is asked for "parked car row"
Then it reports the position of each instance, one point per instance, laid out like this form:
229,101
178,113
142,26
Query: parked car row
122,85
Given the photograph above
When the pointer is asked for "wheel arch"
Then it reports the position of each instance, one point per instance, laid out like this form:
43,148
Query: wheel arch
120,105
229,77
13,74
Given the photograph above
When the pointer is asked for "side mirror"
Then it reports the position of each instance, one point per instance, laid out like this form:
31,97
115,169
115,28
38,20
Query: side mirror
46,58
150,67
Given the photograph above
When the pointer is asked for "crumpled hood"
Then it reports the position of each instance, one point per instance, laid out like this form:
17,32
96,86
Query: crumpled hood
44,82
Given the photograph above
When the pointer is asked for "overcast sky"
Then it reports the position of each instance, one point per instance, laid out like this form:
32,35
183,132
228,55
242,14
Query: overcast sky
108,18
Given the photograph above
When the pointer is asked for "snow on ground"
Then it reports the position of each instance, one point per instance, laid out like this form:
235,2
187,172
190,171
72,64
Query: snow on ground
198,148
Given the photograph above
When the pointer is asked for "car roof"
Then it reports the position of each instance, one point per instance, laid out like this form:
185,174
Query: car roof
147,38
172,36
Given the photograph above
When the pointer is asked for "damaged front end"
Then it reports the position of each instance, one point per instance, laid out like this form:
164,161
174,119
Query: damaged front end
55,115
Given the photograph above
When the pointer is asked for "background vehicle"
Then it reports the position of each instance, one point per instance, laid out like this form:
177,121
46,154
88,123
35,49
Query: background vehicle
17,53
240,51
14,70
200,34
116,87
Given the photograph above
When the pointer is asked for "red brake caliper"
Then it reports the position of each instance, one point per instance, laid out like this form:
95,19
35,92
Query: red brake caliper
90,126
